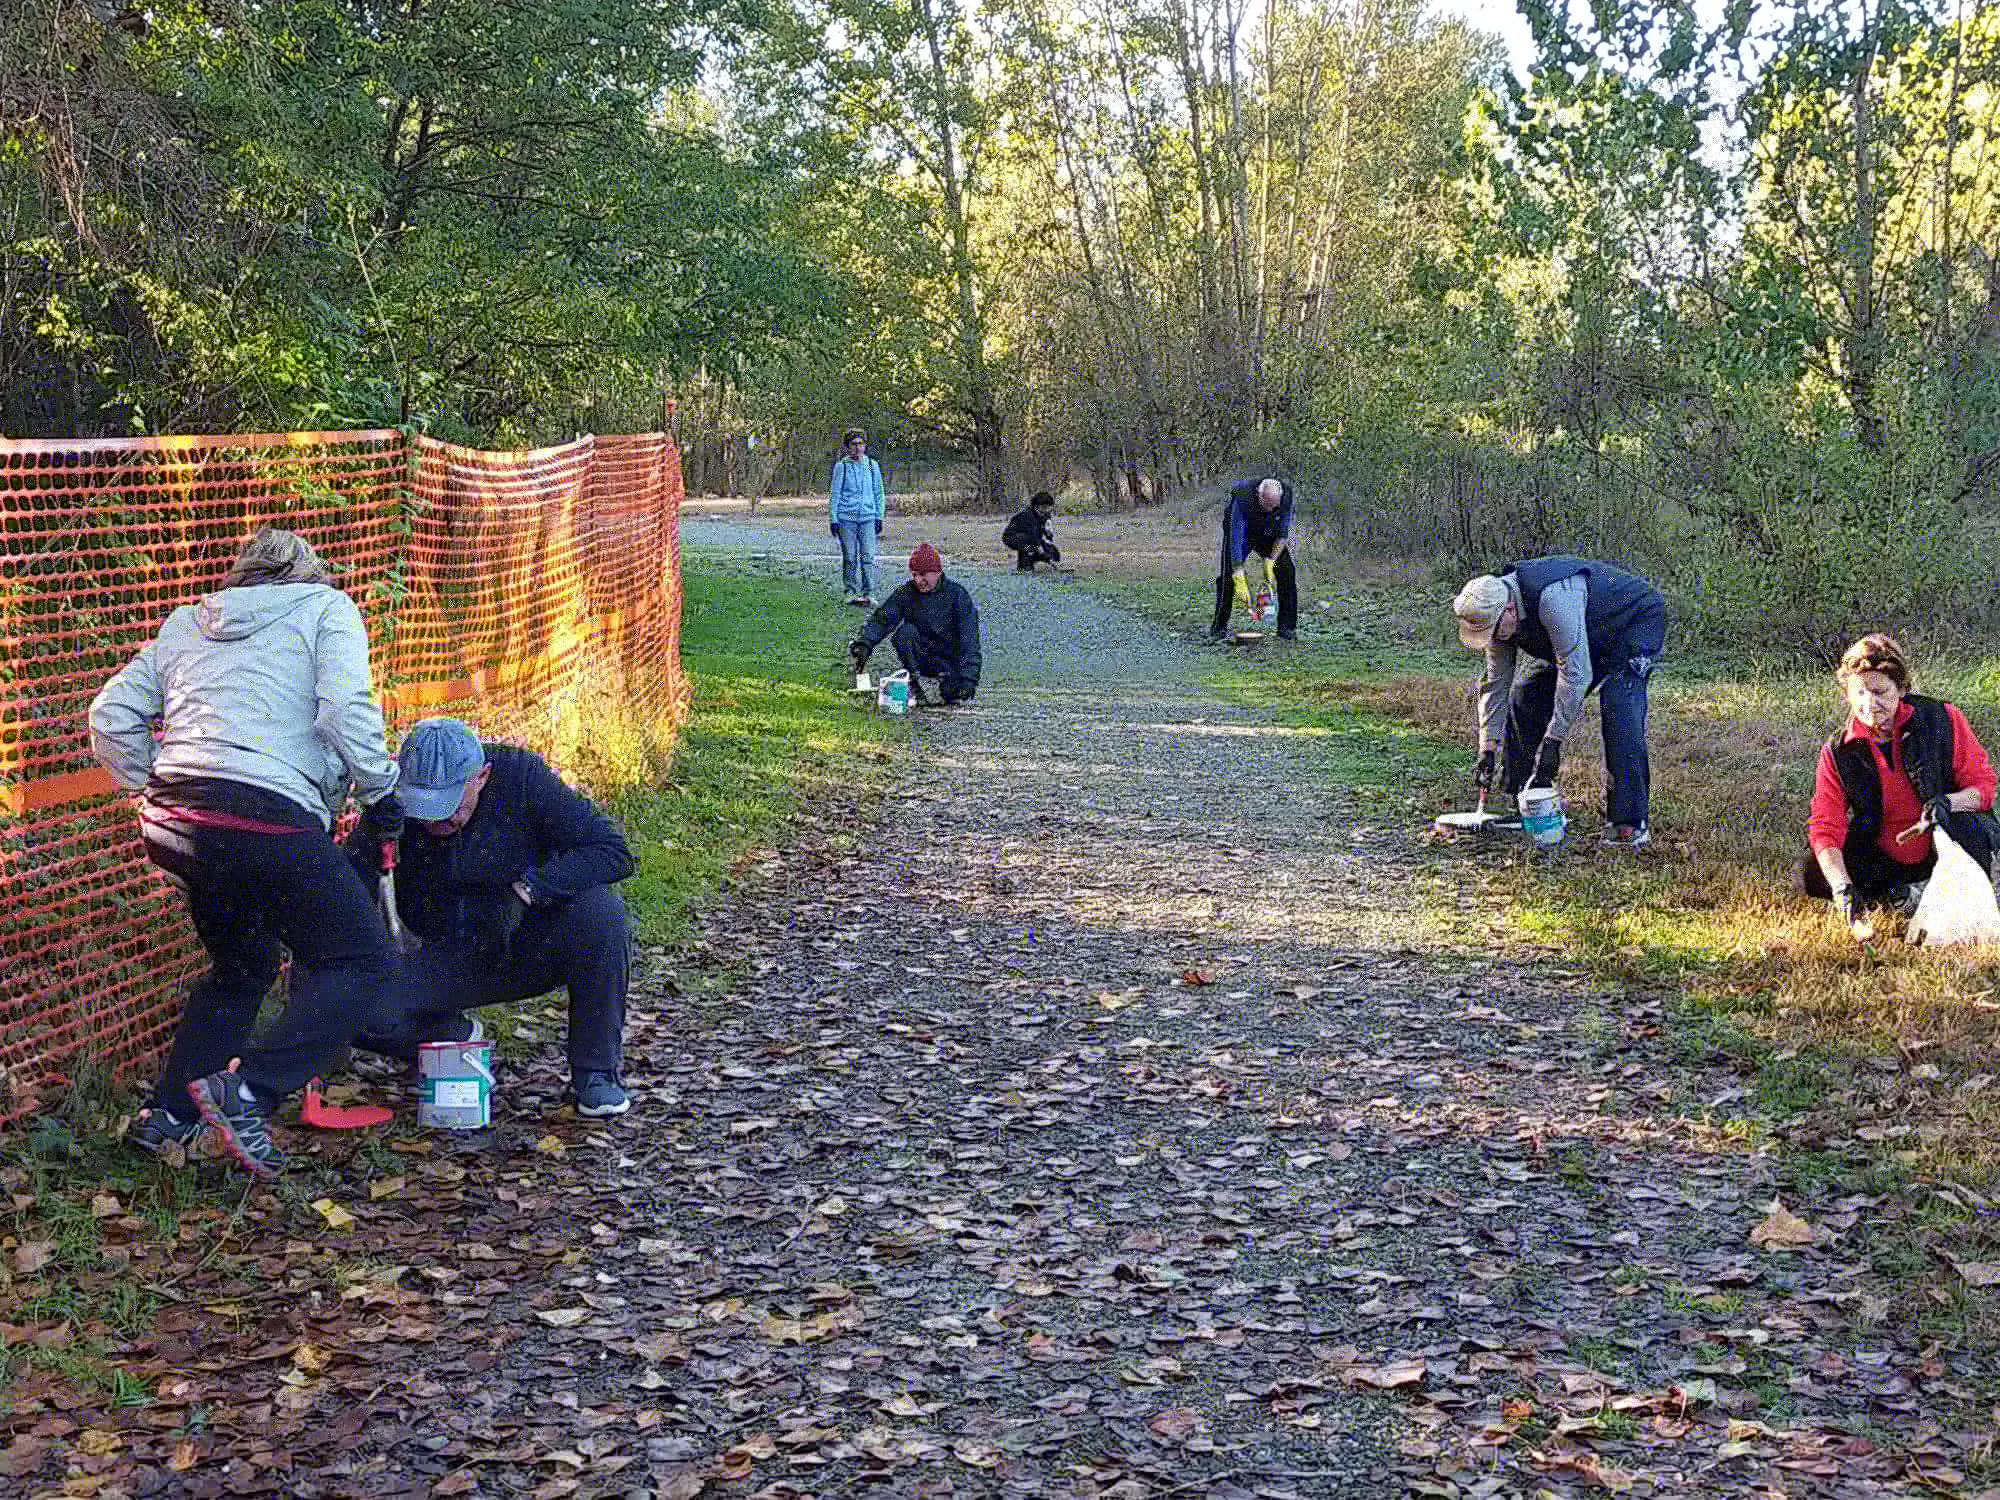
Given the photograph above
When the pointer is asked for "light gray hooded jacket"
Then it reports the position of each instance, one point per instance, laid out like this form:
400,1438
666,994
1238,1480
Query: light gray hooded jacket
265,685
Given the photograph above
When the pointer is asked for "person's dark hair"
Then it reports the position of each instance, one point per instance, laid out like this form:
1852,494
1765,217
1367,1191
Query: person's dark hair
1042,497
1876,653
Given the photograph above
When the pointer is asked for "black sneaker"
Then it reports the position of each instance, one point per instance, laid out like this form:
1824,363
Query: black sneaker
242,1129
599,1094
1288,635
164,1135
918,697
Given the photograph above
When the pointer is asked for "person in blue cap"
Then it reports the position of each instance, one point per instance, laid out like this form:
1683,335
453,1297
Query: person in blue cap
508,876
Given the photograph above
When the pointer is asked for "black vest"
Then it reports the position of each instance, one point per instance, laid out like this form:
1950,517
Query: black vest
1928,746
1614,600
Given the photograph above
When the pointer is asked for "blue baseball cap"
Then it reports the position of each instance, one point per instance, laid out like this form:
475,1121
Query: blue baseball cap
438,757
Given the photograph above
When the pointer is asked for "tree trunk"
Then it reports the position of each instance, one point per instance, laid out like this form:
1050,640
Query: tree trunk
1860,352
977,394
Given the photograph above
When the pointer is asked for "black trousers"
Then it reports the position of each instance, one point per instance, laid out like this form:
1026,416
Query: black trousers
253,895
1025,558
1288,592
1875,874
920,661
582,945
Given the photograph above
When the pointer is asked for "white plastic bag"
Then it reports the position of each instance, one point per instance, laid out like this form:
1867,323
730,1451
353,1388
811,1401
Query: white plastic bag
1958,904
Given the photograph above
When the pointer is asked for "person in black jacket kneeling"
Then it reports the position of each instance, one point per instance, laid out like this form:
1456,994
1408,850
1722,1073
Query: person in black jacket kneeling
508,876
933,625
1027,534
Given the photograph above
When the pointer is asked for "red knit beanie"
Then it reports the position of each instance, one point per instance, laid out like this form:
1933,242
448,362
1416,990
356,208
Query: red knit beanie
925,559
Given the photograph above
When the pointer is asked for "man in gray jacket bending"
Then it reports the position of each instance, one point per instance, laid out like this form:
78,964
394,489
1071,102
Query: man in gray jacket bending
1589,625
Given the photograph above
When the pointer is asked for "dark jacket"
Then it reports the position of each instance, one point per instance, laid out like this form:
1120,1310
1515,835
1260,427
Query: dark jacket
946,622
1029,528
1928,747
1615,600
1247,527
529,826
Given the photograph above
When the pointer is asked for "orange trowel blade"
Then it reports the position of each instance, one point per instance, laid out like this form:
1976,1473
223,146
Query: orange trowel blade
317,1113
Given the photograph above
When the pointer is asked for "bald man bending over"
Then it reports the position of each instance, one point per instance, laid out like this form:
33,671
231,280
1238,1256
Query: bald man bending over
1259,520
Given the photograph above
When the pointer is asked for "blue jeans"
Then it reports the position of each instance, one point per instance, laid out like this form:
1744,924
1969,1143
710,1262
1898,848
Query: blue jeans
1621,682
857,557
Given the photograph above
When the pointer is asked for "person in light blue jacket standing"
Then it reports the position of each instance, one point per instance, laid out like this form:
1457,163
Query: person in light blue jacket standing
856,504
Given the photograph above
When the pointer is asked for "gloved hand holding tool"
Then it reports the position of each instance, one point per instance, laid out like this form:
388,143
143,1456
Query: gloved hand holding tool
1242,590
1487,768
857,654
1936,813
1848,904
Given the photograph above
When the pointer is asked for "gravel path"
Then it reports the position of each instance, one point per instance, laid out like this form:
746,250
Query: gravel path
1111,1123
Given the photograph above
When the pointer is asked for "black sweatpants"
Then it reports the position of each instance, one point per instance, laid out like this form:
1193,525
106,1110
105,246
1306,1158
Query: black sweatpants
1288,592
1025,558
582,945
253,895
1875,874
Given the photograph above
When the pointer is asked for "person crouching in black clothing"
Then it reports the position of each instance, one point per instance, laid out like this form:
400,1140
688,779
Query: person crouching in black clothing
1027,535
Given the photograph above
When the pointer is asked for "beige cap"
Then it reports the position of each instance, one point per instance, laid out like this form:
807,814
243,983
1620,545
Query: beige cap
1479,606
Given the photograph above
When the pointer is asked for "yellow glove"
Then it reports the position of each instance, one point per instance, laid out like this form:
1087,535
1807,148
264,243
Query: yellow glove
1242,590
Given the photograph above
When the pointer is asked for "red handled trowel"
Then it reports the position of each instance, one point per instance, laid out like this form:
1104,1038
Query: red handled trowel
385,896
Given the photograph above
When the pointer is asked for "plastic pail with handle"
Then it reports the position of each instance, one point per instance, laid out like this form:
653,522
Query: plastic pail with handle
455,1085
1542,817
893,697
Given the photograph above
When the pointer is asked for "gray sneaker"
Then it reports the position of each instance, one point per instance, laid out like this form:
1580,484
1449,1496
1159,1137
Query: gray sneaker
240,1124
1625,836
167,1136
599,1094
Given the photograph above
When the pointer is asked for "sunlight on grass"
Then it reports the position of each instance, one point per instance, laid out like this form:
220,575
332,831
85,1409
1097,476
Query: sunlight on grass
771,732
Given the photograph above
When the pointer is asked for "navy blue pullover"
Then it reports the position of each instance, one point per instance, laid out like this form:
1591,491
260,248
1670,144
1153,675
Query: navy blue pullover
530,826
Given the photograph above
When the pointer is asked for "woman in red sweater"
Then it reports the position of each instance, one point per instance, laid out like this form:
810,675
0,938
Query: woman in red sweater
1905,764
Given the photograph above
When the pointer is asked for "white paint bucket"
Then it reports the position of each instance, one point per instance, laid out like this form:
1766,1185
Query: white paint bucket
455,1085
894,695
1542,817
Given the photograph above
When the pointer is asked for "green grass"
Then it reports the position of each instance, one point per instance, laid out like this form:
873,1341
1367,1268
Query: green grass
772,732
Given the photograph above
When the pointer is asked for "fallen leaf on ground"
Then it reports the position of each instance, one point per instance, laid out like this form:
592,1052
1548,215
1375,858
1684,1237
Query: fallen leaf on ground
385,1187
32,1256
310,1358
184,1456
564,1317
1781,1229
336,1217
1385,1377
1196,976
1978,1272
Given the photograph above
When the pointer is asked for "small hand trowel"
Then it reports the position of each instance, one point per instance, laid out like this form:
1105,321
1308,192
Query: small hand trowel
385,897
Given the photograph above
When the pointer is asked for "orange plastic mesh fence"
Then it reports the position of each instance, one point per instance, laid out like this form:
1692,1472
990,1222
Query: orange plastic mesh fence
528,593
